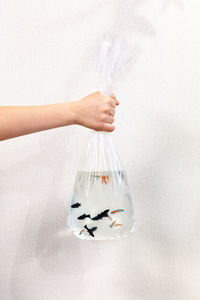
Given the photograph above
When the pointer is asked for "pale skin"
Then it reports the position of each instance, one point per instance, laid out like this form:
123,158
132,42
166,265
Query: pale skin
95,111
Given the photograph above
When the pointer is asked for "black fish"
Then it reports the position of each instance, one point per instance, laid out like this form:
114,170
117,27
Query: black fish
82,217
102,215
90,230
75,205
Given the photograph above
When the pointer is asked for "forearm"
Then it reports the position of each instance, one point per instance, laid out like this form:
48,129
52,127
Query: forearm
94,111
20,120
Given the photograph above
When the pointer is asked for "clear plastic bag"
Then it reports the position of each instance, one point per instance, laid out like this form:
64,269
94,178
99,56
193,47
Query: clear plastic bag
101,206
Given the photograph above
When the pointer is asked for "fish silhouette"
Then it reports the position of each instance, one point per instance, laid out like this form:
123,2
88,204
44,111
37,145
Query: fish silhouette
102,215
90,230
82,217
75,205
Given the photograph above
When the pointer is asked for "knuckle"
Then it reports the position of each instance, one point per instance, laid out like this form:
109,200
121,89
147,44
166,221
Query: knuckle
111,101
110,119
106,108
107,118
107,99
103,118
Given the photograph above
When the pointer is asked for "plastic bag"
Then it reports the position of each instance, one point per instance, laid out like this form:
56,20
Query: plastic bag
101,206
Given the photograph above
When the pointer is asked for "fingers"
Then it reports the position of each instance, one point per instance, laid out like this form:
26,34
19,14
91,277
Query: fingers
108,127
114,98
111,112
111,97
108,119
107,124
111,102
108,106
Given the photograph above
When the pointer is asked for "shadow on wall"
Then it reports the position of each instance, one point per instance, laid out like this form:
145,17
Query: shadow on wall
129,20
178,3
165,216
41,241
46,241
163,184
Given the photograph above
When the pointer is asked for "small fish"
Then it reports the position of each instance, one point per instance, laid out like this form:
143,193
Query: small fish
116,211
116,225
83,217
97,176
90,230
81,231
105,179
113,223
122,175
75,205
102,215
109,217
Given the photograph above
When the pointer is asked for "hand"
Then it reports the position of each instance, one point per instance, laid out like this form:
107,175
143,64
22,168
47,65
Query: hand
96,111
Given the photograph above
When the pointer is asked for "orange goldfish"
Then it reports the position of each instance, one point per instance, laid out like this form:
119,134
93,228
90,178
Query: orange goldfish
116,211
105,179
81,231
116,225
113,223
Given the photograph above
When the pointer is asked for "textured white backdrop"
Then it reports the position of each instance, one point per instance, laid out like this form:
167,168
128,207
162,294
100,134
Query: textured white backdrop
48,51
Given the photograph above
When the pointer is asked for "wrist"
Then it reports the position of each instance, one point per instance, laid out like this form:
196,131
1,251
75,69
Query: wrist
66,113
73,108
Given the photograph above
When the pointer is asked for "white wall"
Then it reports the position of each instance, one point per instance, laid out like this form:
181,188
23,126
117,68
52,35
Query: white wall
48,51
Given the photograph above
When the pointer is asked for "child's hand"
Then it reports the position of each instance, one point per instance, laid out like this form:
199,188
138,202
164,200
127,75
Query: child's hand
96,111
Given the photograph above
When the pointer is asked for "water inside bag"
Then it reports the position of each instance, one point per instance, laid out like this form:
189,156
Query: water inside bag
101,206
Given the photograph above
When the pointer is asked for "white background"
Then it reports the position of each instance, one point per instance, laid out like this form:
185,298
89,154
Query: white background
48,54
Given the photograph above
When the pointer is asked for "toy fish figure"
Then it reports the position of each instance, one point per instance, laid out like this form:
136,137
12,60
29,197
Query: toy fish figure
83,217
90,230
75,205
102,215
116,211
105,179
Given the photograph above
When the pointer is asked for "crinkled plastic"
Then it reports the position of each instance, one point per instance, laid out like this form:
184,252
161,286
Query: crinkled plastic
101,206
